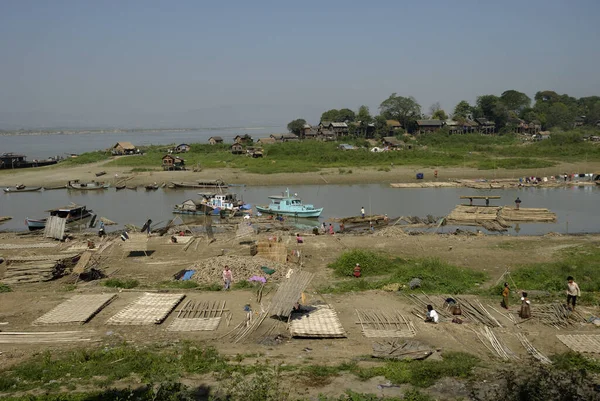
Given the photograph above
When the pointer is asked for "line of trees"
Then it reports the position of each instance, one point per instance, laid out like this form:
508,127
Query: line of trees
549,110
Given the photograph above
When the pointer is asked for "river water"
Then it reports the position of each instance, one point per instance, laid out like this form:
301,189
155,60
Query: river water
44,146
576,207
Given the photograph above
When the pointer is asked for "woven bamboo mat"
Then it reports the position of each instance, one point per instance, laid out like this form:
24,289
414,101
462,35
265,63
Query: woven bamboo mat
581,342
195,324
78,309
322,322
148,309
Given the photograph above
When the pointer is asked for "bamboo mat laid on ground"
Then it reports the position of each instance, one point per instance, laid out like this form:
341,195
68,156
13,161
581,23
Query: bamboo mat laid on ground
148,309
29,246
581,342
78,309
198,316
321,322
34,337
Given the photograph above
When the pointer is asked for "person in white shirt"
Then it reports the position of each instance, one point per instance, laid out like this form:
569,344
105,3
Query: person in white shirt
432,315
573,292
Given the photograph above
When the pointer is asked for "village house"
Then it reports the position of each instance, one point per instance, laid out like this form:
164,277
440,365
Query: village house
265,141
243,139
579,121
284,137
485,126
310,134
183,148
170,162
393,126
424,126
123,148
213,140
340,129
307,130
237,149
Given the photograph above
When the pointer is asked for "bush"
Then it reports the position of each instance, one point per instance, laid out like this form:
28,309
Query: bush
118,283
187,284
5,288
371,263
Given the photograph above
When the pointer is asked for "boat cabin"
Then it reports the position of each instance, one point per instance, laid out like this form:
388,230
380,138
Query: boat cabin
67,212
170,163
11,160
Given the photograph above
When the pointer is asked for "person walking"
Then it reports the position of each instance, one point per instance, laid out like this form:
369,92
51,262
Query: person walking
330,229
362,212
573,292
517,203
227,277
505,295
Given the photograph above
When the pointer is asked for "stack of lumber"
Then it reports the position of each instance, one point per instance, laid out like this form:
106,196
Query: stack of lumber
33,272
275,251
528,214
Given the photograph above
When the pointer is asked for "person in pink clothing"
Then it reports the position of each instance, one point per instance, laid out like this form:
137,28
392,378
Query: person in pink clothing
330,228
227,277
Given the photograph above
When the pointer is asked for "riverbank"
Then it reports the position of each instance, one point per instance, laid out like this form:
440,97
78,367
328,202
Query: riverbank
59,175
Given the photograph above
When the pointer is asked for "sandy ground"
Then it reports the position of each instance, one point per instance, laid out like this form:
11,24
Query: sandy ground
57,175
493,254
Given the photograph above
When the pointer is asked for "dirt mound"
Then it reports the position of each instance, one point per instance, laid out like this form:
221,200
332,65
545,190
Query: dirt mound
392,231
210,270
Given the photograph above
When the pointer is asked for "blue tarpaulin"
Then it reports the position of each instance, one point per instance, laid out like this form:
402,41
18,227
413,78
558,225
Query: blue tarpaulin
188,275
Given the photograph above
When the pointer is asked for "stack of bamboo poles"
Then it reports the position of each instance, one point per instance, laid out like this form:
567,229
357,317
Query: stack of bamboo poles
475,311
532,350
375,323
421,302
557,315
527,215
487,336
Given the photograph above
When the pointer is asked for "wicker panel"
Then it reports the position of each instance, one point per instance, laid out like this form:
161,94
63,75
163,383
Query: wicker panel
78,309
322,322
148,309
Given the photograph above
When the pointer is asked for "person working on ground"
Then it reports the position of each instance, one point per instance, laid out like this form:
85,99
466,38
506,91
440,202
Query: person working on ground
357,272
525,312
517,203
101,232
573,292
299,239
362,212
432,315
227,277
505,295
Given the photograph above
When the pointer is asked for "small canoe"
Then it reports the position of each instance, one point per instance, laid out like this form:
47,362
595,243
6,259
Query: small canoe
120,187
54,188
26,189
92,186
151,187
133,188
101,173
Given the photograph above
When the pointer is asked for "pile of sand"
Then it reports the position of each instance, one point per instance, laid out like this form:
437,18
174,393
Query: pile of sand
210,270
392,231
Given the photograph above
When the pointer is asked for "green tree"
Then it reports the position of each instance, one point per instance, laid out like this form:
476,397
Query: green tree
515,100
439,115
296,126
560,116
462,110
491,107
345,115
364,118
404,109
381,127
330,115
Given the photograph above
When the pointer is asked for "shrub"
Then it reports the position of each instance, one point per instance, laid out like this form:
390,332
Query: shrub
118,283
371,263
5,288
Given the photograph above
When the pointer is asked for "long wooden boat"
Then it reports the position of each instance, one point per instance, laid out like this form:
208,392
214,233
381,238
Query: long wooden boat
152,187
5,218
120,187
26,189
201,184
133,188
71,213
91,186
54,188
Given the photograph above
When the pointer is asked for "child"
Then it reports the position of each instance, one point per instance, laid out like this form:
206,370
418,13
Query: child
525,312
505,294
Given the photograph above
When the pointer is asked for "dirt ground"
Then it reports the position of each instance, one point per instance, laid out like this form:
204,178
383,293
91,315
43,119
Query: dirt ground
58,175
493,254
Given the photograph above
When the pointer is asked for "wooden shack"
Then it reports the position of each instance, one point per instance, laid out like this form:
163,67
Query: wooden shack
243,139
170,162
237,149
428,126
264,141
123,148
213,140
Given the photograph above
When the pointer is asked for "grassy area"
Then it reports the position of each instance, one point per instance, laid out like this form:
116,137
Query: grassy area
379,270
187,284
104,366
432,150
581,262
5,288
118,283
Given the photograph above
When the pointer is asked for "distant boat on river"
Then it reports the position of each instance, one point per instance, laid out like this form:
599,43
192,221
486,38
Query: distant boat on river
22,188
201,184
89,186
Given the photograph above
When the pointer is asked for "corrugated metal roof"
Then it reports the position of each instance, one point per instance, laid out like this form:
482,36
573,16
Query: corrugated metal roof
339,125
435,123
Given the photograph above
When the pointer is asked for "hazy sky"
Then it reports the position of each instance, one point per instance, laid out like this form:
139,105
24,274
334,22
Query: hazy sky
199,63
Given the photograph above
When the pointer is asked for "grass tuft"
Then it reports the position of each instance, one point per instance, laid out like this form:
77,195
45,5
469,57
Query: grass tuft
5,288
118,283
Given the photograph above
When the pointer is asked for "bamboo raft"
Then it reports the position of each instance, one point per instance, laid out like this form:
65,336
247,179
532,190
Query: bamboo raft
497,218
359,219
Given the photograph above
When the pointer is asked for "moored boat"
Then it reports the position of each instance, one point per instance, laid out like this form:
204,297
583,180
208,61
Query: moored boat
152,187
120,187
201,184
22,189
212,204
54,188
71,213
289,205
87,186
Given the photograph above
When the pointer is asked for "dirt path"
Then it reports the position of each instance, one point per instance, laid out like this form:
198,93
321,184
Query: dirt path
58,175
